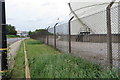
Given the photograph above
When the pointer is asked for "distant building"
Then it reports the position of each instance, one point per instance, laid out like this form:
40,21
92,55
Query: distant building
22,33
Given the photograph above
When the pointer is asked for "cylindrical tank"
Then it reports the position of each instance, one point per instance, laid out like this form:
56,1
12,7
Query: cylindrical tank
92,16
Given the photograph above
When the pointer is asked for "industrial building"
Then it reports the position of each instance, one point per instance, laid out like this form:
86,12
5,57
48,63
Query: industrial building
22,33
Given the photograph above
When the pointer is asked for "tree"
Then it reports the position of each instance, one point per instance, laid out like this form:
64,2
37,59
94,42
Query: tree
39,32
30,32
10,30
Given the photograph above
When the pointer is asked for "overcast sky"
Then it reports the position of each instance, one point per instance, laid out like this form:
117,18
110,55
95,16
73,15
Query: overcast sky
35,14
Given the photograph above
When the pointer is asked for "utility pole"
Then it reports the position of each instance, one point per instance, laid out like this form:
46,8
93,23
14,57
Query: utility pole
3,39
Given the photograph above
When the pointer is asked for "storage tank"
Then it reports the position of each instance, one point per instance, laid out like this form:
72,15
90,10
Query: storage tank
91,17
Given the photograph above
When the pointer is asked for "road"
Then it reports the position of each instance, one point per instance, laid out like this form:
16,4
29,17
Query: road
12,40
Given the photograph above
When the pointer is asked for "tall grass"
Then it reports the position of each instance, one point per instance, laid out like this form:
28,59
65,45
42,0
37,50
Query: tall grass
45,62
19,68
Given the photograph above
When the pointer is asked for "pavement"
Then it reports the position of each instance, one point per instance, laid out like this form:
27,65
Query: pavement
13,46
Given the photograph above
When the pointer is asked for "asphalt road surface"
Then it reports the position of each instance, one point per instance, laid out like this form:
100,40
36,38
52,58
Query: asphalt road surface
12,40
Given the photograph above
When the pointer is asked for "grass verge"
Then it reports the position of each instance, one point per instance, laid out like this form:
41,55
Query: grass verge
45,62
14,36
19,68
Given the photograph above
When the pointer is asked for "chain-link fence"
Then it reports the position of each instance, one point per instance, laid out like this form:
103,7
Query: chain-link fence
115,35
60,37
87,37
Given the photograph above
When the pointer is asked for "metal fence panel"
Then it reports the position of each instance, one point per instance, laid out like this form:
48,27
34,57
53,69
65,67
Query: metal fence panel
89,42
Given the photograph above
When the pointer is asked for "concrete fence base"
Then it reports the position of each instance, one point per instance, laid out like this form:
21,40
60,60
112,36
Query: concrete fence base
95,38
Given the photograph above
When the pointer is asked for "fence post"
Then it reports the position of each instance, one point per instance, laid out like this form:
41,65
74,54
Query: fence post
119,38
109,35
48,36
55,35
44,37
69,25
